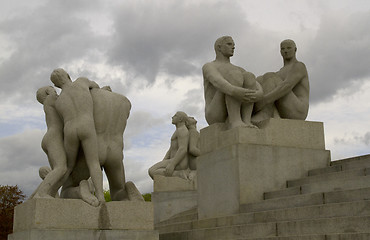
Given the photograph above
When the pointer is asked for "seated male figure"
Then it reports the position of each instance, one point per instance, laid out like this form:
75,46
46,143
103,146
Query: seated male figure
286,92
229,90
175,162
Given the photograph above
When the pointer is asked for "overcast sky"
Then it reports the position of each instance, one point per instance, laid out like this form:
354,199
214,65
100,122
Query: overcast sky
152,52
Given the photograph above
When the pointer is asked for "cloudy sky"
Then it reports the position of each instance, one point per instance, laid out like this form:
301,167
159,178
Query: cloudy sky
152,52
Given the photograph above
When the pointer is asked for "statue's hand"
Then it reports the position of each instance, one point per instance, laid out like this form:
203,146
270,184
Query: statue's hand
253,96
169,170
241,94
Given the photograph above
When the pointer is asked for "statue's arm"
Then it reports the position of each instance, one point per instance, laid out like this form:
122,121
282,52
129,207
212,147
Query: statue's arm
168,154
255,94
296,74
211,74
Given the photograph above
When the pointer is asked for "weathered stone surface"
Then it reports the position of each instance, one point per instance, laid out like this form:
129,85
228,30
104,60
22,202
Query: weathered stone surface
88,234
73,214
244,163
169,203
324,226
326,177
165,184
272,132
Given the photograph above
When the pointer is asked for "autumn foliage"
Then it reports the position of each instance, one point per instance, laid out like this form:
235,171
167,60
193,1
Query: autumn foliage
10,196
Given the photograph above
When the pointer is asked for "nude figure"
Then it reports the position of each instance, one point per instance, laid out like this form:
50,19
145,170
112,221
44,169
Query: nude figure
111,111
53,146
286,92
229,90
194,136
175,162
75,106
43,172
194,148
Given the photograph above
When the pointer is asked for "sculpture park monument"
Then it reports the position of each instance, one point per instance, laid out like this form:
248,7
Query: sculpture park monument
257,139
85,126
254,131
175,176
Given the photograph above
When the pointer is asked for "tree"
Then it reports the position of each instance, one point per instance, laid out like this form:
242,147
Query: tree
107,196
147,197
10,196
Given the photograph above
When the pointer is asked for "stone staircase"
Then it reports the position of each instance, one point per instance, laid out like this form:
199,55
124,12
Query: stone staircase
331,203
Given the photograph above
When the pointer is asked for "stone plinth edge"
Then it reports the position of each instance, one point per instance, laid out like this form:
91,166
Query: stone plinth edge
165,184
272,132
74,214
87,234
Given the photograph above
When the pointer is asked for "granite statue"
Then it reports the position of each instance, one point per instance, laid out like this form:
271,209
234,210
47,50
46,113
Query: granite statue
75,106
85,135
194,148
230,91
286,92
53,145
111,111
176,160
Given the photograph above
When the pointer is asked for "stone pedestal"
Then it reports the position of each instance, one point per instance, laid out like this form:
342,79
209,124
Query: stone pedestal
172,195
74,219
237,166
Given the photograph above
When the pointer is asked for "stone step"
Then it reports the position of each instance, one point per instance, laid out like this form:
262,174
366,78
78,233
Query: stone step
224,233
353,162
331,184
348,209
325,170
328,226
307,237
343,165
358,224
188,215
307,200
348,236
328,176
341,236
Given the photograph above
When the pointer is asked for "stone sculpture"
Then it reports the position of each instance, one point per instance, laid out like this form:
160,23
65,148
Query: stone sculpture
194,148
111,111
75,106
230,91
175,162
286,92
85,133
53,146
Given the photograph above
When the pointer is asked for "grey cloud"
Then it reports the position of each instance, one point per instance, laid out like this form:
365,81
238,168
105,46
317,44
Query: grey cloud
21,157
175,37
48,37
193,104
139,123
339,55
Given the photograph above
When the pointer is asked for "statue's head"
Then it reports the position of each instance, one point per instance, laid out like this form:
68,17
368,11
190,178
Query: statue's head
179,117
288,49
190,121
225,45
59,77
43,92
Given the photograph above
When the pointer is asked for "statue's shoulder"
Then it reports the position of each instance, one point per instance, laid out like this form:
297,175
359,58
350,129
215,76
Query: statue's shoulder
209,65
